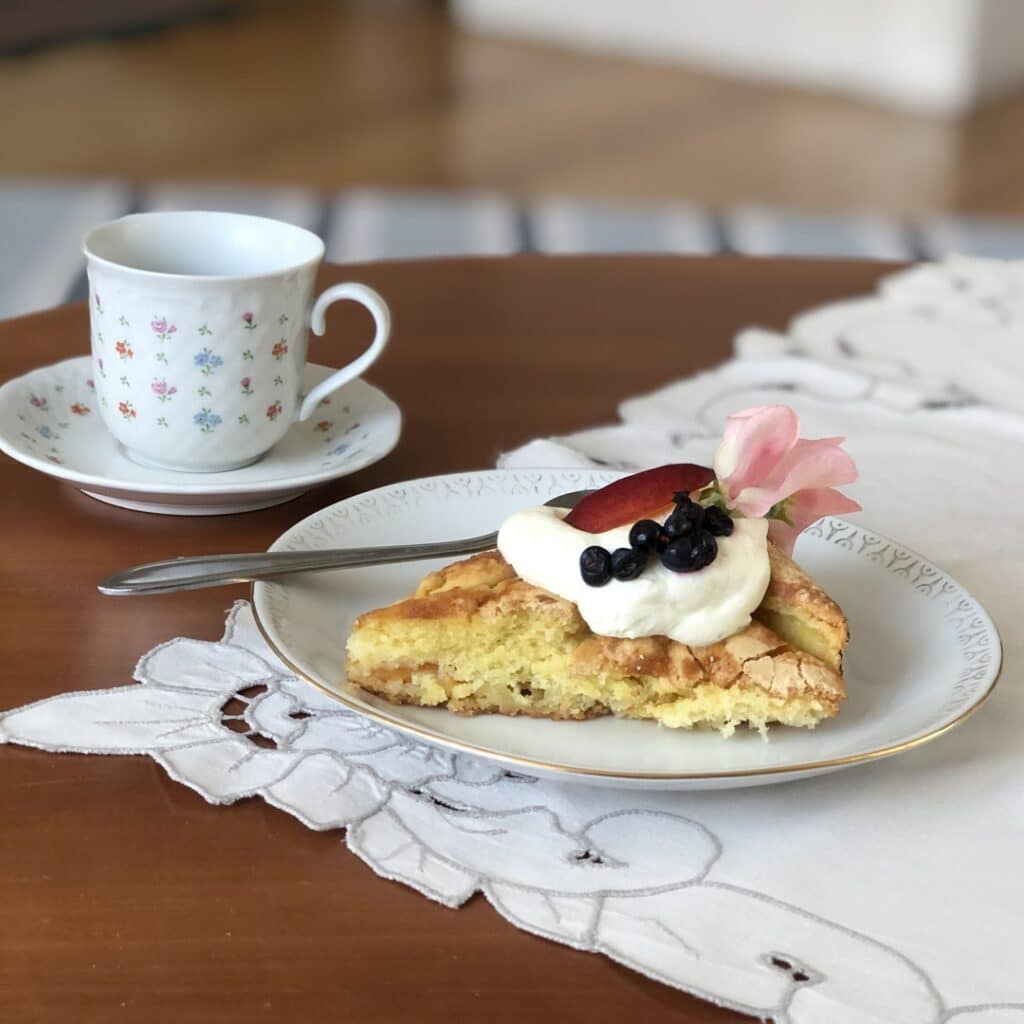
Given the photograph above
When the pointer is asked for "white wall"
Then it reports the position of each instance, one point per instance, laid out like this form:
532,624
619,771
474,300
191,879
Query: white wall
936,56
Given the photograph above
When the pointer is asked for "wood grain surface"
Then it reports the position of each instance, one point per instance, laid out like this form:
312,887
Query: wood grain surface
123,895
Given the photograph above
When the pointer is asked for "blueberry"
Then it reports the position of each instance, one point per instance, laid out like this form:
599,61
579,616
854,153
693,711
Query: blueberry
682,498
718,522
685,520
644,535
690,553
663,541
595,566
628,563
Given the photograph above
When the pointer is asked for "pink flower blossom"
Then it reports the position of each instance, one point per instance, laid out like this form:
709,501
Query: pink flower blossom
246,381
159,325
764,468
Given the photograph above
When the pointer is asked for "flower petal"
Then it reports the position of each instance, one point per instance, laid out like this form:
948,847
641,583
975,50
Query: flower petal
754,442
808,465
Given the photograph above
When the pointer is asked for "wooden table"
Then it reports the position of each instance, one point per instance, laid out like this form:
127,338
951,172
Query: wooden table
123,895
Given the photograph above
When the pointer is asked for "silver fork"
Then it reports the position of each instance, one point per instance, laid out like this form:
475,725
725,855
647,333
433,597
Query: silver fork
216,570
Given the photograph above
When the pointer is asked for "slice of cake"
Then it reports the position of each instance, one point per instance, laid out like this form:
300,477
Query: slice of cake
476,638
667,595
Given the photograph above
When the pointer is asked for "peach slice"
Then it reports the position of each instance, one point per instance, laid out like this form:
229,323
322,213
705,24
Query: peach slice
639,496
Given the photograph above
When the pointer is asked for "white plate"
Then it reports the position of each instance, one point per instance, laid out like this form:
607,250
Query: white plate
923,654
49,421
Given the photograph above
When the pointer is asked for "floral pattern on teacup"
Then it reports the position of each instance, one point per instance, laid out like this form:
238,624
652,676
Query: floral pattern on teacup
274,410
127,410
123,350
161,328
206,420
163,391
246,383
37,403
249,321
79,409
207,361
279,350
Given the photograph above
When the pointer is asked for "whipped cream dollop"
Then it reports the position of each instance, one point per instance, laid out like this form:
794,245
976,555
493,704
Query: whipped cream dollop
694,608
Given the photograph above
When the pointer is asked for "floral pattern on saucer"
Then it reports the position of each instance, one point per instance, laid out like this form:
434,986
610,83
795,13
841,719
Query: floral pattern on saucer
49,420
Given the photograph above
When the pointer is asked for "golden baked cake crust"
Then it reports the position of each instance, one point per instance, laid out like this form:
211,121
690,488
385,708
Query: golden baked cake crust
476,638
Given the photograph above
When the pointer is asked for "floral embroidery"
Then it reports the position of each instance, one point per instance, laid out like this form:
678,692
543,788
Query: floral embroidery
161,328
323,426
273,411
80,410
207,361
39,403
161,421
278,380
127,410
247,354
283,319
124,350
243,418
204,392
246,383
205,331
123,320
249,320
279,350
206,420
162,389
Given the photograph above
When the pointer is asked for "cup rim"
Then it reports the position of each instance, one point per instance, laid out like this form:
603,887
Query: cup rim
89,240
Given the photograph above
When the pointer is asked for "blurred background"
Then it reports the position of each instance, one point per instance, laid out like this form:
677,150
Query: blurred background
396,128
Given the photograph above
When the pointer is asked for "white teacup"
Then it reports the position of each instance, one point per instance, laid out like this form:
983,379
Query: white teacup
200,330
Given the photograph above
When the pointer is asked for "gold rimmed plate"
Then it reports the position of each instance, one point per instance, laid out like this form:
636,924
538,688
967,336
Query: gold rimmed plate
923,653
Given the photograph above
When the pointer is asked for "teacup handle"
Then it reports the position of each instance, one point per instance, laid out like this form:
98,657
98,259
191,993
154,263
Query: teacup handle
378,308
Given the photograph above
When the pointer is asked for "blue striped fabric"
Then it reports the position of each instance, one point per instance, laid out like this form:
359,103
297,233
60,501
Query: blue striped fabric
42,222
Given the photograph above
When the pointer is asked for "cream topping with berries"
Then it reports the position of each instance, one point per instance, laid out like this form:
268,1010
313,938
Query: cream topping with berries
695,608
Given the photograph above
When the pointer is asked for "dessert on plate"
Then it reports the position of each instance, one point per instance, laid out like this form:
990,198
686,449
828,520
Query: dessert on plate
669,595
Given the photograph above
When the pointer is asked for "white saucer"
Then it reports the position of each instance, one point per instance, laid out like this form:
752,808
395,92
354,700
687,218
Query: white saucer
923,654
49,421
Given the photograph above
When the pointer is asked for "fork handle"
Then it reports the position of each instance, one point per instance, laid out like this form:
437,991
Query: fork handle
216,570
